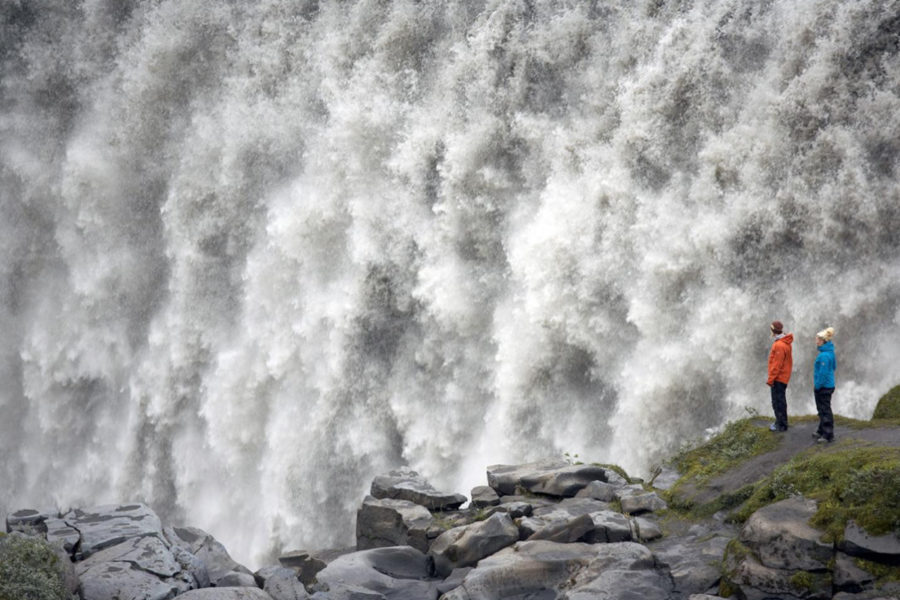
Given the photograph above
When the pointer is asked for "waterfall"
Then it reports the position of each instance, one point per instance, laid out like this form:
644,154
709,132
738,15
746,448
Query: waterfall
254,253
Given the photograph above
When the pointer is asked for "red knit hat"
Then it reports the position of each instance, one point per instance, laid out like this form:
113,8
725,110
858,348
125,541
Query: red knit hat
777,327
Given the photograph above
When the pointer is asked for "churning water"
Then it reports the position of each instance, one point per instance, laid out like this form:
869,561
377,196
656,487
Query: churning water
254,253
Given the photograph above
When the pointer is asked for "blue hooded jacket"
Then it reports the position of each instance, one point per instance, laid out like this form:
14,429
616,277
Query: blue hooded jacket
825,366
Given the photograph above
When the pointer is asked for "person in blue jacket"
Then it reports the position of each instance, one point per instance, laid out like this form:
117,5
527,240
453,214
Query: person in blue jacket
823,385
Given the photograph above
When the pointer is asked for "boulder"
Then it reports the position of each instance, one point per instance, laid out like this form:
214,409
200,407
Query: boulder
623,584
515,509
757,581
104,526
848,576
464,546
642,503
237,579
540,569
857,542
645,530
406,484
694,559
598,490
205,547
229,593
387,522
306,565
782,538
484,496
610,527
549,477
398,573
567,531
282,584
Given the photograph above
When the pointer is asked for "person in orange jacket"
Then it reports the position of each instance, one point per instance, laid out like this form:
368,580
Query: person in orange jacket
780,364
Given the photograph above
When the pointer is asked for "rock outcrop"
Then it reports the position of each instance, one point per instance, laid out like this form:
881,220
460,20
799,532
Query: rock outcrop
545,530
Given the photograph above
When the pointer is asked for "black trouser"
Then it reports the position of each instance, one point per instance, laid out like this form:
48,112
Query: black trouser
779,404
823,406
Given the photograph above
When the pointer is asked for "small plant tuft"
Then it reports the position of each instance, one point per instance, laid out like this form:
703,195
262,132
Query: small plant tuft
29,570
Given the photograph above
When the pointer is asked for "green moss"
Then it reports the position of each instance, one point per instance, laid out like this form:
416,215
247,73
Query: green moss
850,482
802,580
739,441
888,406
882,572
29,570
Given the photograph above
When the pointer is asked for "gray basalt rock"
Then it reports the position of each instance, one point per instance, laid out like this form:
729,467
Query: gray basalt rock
645,530
387,522
849,576
642,503
104,526
465,546
694,559
759,582
610,527
515,509
484,496
237,579
60,532
306,564
568,531
140,567
406,484
283,584
228,593
549,477
205,547
111,580
857,542
598,490
399,573
541,569
30,521
782,538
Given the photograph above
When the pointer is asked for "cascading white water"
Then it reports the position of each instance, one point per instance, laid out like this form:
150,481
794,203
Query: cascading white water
255,253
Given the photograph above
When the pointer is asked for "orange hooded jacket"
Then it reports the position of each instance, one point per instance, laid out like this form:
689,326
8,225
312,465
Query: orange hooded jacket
780,360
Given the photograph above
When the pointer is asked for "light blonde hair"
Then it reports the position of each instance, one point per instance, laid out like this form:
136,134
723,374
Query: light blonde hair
826,334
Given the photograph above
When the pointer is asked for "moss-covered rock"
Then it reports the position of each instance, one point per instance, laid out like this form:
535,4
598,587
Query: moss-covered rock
859,483
888,406
30,569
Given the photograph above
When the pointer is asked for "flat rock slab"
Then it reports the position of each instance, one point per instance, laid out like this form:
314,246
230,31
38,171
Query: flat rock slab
104,526
112,580
406,484
147,554
550,477
857,542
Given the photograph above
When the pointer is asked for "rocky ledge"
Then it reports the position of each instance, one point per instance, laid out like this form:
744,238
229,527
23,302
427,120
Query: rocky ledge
539,531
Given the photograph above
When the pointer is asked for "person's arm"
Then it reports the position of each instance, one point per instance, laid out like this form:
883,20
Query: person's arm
819,371
776,360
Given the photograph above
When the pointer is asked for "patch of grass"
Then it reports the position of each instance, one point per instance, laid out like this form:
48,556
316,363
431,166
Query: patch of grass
850,482
29,570
740,441
882,572
888,406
